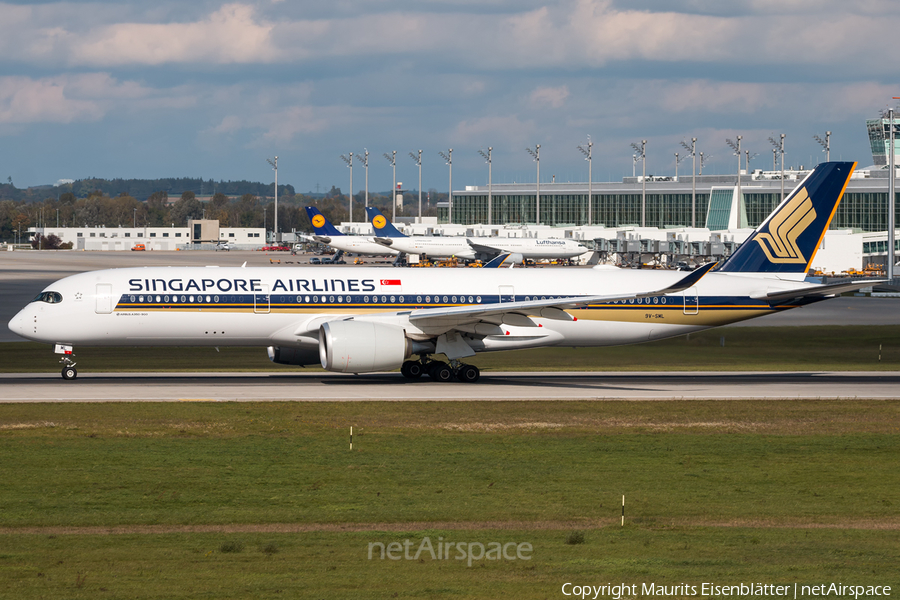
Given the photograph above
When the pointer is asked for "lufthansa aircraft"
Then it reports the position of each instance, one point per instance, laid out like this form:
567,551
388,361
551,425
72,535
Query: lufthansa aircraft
366,319
328,234
469,248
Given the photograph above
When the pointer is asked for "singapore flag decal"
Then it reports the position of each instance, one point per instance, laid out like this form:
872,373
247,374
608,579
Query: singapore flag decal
390,282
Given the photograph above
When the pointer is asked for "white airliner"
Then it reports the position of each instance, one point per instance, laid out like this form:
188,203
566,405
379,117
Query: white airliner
367,319
470,248
328,234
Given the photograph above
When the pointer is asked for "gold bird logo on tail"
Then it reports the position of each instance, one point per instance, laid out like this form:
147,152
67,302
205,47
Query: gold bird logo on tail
780,243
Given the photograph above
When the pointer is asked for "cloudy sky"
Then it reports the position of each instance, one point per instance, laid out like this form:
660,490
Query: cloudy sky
124,88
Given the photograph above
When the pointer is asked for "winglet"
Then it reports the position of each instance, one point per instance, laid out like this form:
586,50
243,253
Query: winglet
685,282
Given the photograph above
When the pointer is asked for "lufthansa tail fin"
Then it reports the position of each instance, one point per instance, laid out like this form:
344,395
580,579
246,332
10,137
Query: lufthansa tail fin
787,241
383,228
321,225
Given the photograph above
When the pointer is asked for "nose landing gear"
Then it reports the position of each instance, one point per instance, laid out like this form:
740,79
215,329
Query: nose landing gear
68,371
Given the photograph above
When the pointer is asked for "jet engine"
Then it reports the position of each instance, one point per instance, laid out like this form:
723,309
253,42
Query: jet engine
307,355
362,346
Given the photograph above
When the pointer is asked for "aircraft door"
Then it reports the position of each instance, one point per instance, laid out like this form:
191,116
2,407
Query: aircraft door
261,302
691,301
104,297
507,293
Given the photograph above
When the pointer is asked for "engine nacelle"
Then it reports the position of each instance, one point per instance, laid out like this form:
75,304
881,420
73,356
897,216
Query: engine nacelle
300,357
362,346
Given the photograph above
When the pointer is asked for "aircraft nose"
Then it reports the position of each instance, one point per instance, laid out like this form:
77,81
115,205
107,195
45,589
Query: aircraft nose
19,323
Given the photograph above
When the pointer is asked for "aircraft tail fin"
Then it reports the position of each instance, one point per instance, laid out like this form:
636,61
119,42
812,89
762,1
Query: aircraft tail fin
507,260
382,226
787,241
321,225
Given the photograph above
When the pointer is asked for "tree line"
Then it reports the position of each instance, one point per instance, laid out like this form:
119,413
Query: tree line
97,209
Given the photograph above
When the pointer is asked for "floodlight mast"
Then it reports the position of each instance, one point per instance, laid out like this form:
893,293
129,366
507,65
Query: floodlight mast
891,225
349,162
693,150
536,155
448,158
393,160
826,145
779,146
737,150
642,156
275,167
487,158
366,165
587,156
418,159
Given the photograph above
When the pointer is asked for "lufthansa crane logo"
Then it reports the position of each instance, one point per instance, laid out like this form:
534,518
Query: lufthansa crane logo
379,221
780,243
318,221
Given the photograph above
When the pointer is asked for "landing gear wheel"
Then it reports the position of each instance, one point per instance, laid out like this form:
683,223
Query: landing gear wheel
468,373
440,372
69,373
412,369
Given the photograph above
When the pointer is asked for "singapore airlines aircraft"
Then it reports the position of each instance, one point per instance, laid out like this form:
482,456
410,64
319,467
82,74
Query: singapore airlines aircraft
469,248
328,234
366,319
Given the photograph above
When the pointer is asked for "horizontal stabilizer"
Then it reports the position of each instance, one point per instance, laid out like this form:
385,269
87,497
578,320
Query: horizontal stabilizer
818,291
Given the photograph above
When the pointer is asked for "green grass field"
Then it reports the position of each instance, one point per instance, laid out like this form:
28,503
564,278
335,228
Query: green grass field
228,500
833,348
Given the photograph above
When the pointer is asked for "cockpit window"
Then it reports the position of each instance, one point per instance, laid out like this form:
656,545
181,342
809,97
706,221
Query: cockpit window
48,297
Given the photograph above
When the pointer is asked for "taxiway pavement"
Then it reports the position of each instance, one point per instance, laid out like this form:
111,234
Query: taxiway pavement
312,387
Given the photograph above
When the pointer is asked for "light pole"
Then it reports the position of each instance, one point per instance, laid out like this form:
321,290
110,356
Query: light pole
265,208
349,162
826,145
693,150
587,156
393,160
366,165
448,158
536,155
134,219
274,164
891,226
487,158
780,147
418,159
747,157
642,156
737,150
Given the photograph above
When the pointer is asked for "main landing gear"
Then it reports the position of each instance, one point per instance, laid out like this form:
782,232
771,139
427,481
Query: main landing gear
440,371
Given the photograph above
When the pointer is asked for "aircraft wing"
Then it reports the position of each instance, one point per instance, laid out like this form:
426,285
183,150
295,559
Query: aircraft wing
551,308
818,291
483,248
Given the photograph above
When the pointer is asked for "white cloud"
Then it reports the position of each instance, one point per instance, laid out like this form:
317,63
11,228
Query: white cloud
566,34
544,97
